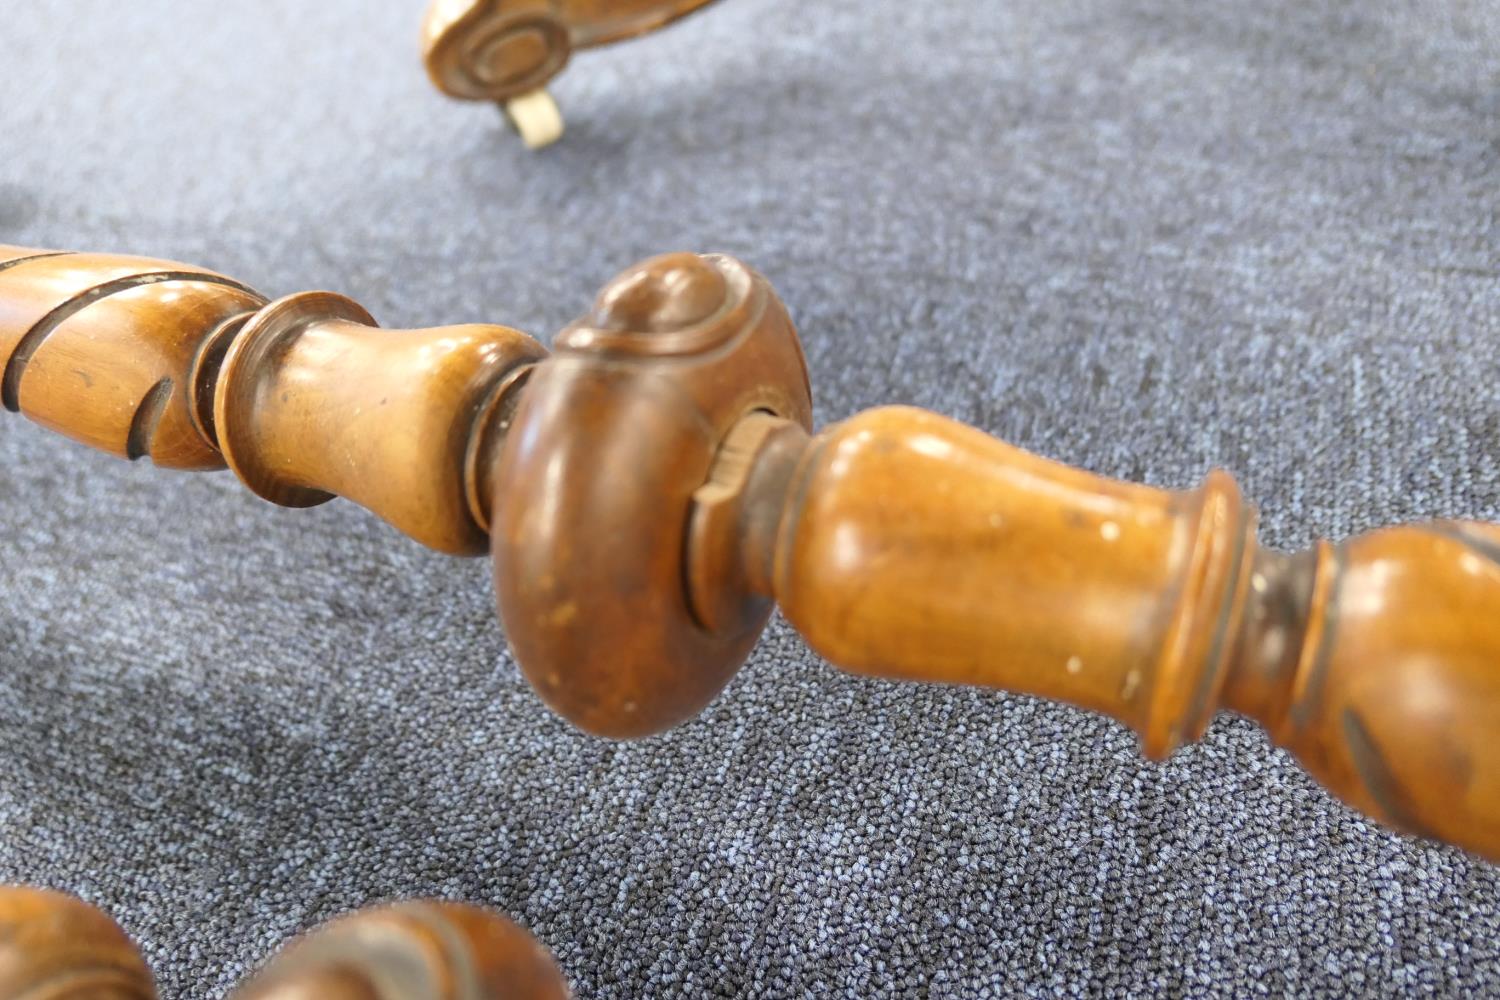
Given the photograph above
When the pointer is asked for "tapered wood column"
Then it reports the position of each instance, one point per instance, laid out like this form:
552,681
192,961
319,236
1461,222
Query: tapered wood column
305,398
915,548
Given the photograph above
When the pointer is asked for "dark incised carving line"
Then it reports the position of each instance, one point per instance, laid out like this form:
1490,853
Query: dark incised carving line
11,385
147,416
31,257
1312,691
1382,785
1217,661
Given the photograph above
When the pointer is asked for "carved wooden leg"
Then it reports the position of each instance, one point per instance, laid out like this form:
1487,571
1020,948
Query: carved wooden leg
56,947
505,51
651,489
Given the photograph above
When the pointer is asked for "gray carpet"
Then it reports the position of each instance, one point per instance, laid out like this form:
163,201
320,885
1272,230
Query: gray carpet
1145,236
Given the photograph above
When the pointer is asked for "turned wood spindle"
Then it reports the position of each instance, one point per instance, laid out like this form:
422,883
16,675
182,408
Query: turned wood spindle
653,488
506,51
56,947
142,357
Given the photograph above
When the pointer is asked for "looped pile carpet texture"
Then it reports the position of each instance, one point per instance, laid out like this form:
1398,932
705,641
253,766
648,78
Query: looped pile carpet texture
1144,236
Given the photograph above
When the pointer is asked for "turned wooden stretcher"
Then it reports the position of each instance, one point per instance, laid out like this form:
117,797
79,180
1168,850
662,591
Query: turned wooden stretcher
652,487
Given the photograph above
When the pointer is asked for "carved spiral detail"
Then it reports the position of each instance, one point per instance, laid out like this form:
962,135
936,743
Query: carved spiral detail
497,49
493,49
103,349
304,398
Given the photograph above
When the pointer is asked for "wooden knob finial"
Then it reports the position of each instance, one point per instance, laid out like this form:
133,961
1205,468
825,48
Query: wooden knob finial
651,489
595,482
56,947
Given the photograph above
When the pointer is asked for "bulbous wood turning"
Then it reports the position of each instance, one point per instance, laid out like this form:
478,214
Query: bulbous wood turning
56,947
1376,662
407,404
1010,571
653,489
